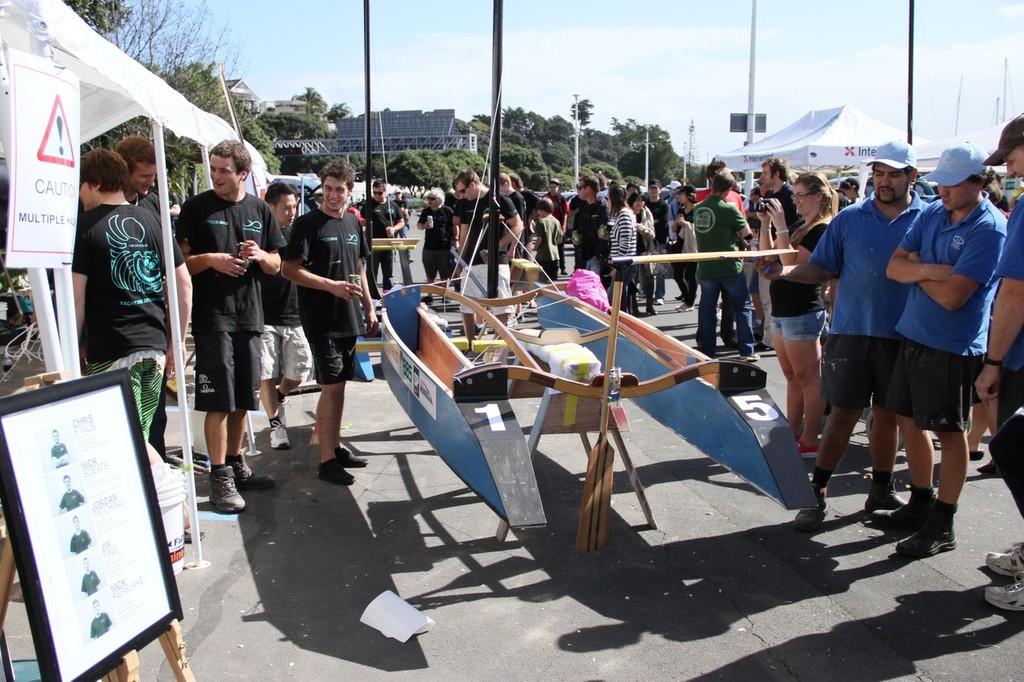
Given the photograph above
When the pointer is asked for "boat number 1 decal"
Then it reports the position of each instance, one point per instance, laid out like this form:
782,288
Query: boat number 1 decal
754,407
493,416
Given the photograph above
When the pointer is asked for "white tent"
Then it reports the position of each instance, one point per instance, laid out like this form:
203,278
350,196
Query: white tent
987,139
114,89
841,137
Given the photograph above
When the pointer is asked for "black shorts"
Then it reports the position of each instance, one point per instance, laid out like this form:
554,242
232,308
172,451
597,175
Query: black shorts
334,358
1011,394
934,387
856,370
228,371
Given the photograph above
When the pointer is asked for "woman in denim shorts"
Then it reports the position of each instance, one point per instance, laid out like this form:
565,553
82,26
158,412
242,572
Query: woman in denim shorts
798,311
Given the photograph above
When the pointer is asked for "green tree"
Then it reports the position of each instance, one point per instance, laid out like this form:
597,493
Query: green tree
528,163
339,111
102,15
316,105
293,126
586,112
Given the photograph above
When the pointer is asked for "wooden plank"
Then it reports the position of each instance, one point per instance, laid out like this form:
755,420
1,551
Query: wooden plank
437,353
705,256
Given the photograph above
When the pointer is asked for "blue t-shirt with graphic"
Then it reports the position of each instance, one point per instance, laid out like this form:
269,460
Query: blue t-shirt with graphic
1011,265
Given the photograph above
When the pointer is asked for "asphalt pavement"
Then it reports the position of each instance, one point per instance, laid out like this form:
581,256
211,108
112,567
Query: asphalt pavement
723,589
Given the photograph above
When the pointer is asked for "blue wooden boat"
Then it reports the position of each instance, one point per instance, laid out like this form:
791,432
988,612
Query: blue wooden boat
727,414
468,421
464,411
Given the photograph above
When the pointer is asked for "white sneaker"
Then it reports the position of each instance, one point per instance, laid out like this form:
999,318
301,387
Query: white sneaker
753,357
279,438
1006,563
1008,597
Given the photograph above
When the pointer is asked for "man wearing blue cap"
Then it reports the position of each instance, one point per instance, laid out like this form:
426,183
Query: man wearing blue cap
1002,377
949,256
858,356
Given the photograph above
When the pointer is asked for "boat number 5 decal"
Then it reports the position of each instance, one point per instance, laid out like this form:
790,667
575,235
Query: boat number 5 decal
493,416
754,407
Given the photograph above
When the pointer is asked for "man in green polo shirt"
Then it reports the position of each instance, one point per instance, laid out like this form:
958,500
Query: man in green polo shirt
719,226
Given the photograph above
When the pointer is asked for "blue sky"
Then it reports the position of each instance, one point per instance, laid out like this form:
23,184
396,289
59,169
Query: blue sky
661,63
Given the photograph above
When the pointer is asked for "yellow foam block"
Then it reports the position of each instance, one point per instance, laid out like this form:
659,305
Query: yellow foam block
479,345
568,360
524,264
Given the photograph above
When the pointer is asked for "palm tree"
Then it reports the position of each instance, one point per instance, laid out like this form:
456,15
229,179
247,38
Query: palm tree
316,105
339,111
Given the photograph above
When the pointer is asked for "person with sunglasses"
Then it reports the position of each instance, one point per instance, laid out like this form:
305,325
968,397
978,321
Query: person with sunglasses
386,221
475,201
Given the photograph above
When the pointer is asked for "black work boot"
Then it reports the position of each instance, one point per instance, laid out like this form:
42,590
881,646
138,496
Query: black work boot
883,496
809,520
935,536
911,515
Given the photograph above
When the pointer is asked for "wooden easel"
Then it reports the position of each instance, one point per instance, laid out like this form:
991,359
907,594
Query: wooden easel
563,413
128,671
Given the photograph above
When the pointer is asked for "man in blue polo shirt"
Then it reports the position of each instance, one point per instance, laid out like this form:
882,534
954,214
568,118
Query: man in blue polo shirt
1002,378
858,356
950,257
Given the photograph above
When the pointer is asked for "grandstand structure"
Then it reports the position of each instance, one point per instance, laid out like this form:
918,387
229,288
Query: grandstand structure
390,131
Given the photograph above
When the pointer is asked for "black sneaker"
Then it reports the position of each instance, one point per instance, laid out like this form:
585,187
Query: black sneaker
332,471
245,479
348,460
224,495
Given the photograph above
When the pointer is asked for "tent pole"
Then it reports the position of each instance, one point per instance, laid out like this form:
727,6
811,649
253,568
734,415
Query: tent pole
174,322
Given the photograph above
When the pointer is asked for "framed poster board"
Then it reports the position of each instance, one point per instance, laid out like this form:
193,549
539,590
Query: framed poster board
84,525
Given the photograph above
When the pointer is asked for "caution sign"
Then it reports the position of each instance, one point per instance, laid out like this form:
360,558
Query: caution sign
42,157
55,147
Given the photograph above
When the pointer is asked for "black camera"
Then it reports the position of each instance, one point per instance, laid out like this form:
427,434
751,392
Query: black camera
760,207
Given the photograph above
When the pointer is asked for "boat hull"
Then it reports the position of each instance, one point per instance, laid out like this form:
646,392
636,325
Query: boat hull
475,434
737,424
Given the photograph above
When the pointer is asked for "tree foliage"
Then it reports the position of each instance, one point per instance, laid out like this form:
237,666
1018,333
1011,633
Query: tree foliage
102,16
316,105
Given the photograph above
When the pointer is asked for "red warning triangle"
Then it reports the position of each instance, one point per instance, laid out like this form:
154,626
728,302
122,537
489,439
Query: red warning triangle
56,146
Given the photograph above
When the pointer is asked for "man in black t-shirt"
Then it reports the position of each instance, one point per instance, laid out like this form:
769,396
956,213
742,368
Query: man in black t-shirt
477,201
71,499
590,220
774,183
118,276
385,222
325,256
438,238
90,579
226,236
286,356
659,209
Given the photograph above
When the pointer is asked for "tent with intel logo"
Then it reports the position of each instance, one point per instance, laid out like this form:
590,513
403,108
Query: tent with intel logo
840,137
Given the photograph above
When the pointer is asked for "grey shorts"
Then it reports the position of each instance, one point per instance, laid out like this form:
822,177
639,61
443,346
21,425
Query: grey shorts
286,353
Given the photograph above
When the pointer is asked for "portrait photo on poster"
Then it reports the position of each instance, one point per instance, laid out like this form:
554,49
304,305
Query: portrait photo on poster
78,494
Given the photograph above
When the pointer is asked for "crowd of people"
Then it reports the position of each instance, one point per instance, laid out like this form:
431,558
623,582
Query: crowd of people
883,302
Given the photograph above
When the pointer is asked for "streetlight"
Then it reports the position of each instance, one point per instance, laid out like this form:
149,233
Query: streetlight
647,156
576,157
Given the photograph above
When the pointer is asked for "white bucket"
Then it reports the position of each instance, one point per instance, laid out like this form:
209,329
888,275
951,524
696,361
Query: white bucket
395,617
170,494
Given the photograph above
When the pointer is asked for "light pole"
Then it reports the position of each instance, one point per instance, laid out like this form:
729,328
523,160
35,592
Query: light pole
576,157
647,156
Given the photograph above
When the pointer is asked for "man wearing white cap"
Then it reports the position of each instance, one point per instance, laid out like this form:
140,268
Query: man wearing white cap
862,344
1002,377
949,256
